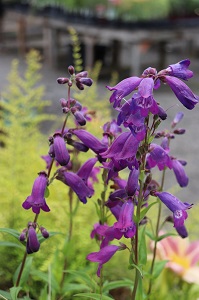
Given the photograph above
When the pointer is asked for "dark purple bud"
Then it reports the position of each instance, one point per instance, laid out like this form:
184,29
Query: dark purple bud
79,118
86,81
79,146
161,113
179,131
32,241
71,70
65,110
44,232
51,151
22,236
80,85
61,153
62,80
63,102
180,174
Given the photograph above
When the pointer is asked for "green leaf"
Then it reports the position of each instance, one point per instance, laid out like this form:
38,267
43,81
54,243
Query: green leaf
26,271
116,284
142,249
158,268
14,291
5,295
93,296
11,231
139,292
10,244
138,268
74,287
161,237
84,277
45,278
150,139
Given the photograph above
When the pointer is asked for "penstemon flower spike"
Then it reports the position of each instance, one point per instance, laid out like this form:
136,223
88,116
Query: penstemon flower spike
127,144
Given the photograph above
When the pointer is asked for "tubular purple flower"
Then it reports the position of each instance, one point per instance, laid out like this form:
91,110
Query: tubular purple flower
32,244
76,184
132,183
36,200
125,223
158,156
89,140
180,70
176,206
182,231
86,169
179,172
60,151
123,89
182,92
103,256
124,146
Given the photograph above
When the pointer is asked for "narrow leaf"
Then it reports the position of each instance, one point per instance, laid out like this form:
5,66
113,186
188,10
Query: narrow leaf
93,296
10,244
26,272
14,291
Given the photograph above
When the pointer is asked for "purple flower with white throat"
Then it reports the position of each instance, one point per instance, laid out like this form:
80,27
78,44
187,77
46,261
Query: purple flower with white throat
176,206
123,89
36,200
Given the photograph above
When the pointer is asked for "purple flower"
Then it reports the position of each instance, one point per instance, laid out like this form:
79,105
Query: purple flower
76,183
180,70
32,244
122,89
59,149
144,98
125,223
124,146
176,206
179,172
103,256
36,200
89,140
158,157
182,92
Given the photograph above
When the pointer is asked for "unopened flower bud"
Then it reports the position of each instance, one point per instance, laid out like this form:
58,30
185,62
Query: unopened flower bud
86,81
22,236
179,131
79,118
71,70
80,85
65,110
44,232
161,113
33,244
82,74
62,80
63,102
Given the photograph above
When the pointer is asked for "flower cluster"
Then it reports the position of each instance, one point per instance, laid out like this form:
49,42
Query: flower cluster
127,144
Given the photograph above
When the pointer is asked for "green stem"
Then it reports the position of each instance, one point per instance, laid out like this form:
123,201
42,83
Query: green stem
156,237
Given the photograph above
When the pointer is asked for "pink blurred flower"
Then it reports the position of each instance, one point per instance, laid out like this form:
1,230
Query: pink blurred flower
182,256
